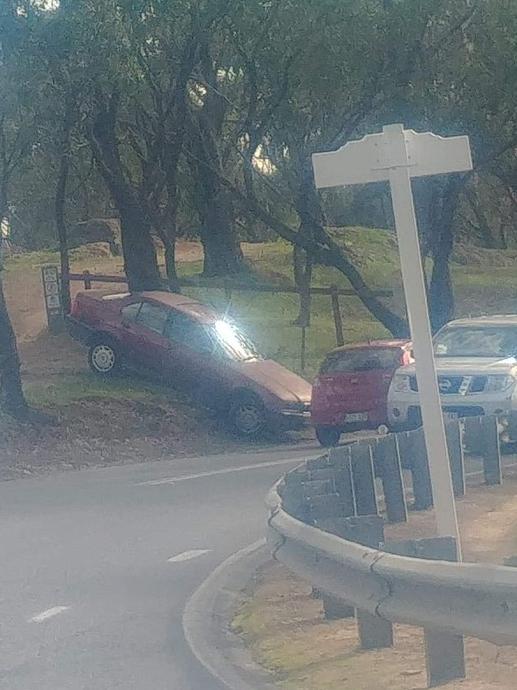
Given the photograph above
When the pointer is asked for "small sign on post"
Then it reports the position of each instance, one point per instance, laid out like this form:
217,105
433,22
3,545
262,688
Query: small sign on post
52,294
397,155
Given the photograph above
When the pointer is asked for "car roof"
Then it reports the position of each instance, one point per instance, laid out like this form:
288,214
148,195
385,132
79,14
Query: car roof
197,310
494,320
371,344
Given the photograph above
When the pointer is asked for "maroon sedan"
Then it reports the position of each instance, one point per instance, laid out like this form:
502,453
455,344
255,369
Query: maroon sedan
187,343
351,390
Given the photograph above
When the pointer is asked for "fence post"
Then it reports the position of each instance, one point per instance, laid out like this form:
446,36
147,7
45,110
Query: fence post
387,461
454,434
338,322
422,489
363,478
87,280
491,451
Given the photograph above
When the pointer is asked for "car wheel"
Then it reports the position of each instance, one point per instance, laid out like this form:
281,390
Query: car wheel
328,436
247,415
104,357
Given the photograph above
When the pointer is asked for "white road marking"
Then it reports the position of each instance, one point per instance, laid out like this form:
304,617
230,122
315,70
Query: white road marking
49,613
188,555
227,470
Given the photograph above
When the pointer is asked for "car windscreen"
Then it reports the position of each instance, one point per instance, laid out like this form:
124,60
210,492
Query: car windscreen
476,341
233,342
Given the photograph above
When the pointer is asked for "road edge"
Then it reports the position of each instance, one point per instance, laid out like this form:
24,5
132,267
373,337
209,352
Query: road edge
206,621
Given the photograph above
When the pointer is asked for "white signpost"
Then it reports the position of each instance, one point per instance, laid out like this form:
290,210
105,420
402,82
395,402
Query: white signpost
397,155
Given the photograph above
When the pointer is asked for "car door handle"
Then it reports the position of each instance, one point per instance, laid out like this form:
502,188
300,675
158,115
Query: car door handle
355,381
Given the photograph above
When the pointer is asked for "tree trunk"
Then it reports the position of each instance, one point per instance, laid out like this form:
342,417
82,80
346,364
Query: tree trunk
12,399
441,294
140,261
222,251
62,230
302,271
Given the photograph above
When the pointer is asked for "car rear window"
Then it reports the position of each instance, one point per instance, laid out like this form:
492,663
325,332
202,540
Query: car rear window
362,360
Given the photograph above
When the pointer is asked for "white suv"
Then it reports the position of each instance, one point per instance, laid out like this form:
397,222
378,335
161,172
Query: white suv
476,363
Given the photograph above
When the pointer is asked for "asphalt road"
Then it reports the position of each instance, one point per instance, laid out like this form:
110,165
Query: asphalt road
96,568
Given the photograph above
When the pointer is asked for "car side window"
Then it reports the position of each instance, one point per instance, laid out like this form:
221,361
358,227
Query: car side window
182,329
130,312
153,317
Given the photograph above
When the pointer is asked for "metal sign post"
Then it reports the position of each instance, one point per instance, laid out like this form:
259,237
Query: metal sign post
50,276
397,155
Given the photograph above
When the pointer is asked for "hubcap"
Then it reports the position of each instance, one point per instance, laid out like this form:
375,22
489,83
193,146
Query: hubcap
103,358
248,418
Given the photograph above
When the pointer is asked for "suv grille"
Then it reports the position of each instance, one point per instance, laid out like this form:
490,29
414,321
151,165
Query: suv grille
454,385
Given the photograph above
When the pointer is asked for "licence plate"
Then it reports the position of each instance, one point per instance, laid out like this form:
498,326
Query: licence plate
450,416
356,417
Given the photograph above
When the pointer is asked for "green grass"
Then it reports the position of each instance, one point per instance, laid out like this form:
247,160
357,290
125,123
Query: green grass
71,388
488,285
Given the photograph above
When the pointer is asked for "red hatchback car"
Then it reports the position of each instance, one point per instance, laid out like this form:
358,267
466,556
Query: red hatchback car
188,344
351,390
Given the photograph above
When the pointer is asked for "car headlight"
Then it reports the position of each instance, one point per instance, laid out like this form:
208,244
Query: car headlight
401,383
497,384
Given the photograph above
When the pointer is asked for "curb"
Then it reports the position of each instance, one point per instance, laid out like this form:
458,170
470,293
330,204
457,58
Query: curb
206,620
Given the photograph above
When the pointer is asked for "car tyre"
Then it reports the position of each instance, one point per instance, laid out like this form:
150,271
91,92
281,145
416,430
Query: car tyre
328,436
247,415
104,357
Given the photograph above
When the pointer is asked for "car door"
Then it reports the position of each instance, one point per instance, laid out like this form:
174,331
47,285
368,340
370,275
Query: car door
143,338
193,357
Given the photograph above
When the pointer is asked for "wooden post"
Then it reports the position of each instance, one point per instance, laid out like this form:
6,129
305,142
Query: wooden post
422,489
491,450
445,652
303,349
387,461
338,323
374,632
454,434
87,280
363,477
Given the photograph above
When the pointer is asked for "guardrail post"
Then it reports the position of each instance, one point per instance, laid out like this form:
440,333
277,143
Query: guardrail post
422,489
491,451
363,478
341,459
454,434
405,443
445,652
472,439
387,461
374,632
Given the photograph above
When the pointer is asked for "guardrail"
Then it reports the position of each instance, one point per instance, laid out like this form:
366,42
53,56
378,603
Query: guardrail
325,524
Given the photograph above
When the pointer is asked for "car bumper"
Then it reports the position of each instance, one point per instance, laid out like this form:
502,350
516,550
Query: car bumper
404,411
290,419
